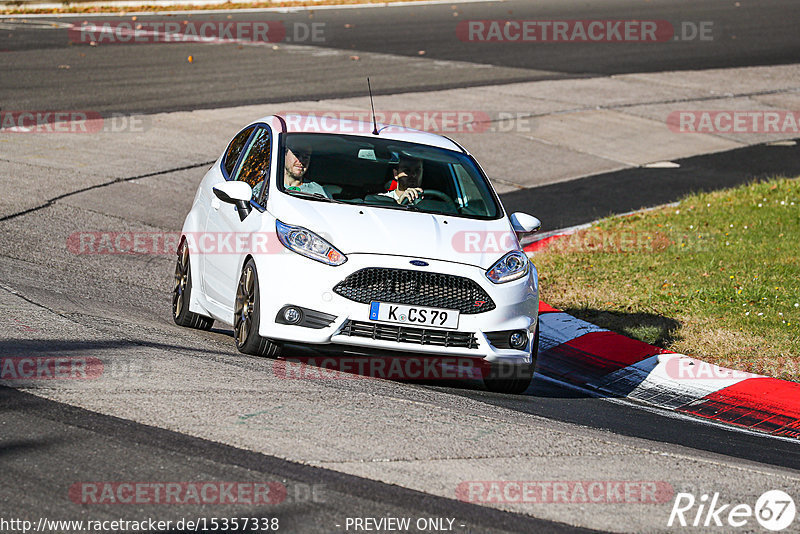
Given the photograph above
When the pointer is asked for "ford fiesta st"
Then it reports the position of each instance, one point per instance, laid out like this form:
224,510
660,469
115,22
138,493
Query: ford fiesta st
368,236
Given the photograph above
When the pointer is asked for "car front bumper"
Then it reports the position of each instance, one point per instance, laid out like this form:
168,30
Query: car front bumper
298,281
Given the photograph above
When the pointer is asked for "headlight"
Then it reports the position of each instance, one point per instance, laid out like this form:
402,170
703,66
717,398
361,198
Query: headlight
307,243
512,266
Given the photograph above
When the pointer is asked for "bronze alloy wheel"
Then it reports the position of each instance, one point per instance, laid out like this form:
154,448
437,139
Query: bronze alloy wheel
181,277
182,293
243,313
247,316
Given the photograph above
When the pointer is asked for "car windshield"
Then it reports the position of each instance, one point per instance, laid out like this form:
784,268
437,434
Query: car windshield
385,173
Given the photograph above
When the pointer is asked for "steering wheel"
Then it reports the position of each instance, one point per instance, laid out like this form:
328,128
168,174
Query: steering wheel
430,193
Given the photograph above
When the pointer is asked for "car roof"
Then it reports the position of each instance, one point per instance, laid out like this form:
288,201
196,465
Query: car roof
325,123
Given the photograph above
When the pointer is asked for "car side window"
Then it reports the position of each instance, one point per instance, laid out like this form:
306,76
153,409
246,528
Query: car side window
472,198
255,166
235,148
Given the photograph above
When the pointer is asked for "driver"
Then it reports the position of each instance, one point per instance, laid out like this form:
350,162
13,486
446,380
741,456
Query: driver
294,169
408,175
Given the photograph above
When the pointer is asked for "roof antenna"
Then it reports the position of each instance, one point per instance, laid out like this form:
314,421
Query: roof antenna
374,122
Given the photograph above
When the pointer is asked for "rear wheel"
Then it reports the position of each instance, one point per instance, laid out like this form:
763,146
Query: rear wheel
247,316
514,379
182,293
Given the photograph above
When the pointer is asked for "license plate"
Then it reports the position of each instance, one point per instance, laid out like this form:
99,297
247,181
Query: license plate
413,315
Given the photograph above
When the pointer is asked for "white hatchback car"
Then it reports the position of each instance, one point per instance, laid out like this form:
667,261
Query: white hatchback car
310,232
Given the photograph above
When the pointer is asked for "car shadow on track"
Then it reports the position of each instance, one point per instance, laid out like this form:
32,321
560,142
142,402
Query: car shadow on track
223,331
569,364
457,375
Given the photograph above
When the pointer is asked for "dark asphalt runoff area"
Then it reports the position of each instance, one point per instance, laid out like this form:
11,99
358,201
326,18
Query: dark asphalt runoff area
142,78
584,200
62,444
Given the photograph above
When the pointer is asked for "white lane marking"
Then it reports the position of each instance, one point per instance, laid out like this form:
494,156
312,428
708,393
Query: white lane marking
662,165
37,25
169,3
782,143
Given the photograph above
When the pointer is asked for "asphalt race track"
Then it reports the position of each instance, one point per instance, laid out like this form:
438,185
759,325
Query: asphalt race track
387,41
181,406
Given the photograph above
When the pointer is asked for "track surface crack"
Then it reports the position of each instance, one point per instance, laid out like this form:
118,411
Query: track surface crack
53,200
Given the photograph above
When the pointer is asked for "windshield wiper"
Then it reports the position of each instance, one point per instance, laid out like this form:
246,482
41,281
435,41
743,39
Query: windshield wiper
306,194
404,207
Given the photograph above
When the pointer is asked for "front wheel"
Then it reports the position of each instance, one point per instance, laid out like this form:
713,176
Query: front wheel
513,379
247,316
182,294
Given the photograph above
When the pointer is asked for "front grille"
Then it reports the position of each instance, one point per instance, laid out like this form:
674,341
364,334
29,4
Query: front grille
407,334
415,288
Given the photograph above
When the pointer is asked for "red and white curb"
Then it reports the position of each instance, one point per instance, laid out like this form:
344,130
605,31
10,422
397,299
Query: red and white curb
538,242
582,354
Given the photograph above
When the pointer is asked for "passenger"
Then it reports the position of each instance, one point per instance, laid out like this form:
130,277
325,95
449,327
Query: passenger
408,175
295,167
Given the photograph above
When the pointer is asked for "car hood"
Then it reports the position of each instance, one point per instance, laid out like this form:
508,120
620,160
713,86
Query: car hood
360,229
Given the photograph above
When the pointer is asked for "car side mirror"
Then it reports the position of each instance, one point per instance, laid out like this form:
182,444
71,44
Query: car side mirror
236,193
524,223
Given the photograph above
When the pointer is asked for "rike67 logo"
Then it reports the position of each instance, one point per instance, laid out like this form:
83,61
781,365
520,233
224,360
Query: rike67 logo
774,510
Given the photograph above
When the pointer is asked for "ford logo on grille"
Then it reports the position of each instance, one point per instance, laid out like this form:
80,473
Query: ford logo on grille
419,263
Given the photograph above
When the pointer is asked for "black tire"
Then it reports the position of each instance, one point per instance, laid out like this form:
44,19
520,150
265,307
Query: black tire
247,316
182,293
513,379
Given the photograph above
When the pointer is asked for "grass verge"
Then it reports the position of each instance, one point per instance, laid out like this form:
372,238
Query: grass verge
716,277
